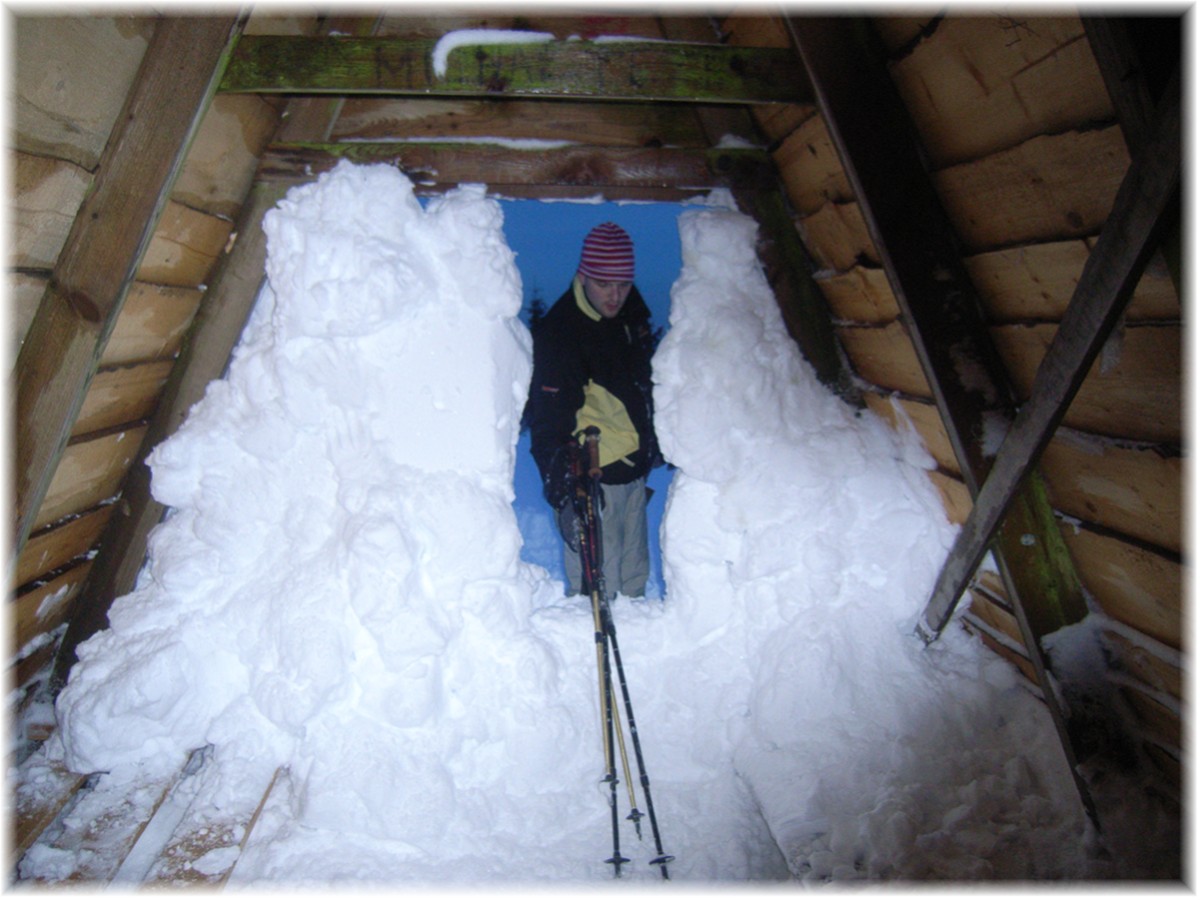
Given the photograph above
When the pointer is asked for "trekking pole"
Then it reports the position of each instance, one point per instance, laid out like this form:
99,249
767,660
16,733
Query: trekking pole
592,439
593,579
611,631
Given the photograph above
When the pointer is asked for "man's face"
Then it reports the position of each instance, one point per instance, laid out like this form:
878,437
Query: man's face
606,297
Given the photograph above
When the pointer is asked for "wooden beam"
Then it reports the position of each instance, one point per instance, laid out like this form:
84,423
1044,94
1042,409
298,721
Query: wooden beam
940,305
917,244
1134,93
500,166
549,69
111,231
1127,241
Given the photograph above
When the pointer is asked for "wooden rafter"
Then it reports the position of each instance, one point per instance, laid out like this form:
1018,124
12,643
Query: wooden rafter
944,316
605,70
1129,237
176,81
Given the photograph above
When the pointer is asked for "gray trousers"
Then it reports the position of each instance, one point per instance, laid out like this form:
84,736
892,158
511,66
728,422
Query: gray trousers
623,538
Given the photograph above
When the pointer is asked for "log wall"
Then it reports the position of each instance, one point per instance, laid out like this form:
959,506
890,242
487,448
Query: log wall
1025,153
73,74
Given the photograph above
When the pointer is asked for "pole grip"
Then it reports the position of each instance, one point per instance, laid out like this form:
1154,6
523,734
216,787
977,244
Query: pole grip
591,436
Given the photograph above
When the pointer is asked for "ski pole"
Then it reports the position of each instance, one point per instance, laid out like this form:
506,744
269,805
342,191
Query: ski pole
611,631
589,555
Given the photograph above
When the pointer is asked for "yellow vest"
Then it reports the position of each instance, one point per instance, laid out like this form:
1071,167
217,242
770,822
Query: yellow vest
618,437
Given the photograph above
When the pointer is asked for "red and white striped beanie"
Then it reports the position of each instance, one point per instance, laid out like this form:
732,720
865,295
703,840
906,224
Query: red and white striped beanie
607,254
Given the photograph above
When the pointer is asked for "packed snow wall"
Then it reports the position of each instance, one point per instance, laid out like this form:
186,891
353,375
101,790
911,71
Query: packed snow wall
340,529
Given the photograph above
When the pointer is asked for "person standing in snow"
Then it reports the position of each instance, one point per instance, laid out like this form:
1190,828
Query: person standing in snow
591,366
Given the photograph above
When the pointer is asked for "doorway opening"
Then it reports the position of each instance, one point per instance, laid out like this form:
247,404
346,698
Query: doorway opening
547,237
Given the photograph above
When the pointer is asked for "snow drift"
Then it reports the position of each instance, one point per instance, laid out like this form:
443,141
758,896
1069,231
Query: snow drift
338,590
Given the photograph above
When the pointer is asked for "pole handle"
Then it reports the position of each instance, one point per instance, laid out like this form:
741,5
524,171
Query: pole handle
591,436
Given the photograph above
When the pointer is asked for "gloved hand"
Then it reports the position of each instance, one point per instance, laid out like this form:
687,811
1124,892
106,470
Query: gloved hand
568,524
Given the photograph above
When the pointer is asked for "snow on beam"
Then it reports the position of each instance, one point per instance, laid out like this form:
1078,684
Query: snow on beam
490,65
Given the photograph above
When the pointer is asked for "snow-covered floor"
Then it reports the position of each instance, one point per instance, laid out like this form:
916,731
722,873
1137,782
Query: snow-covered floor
338,595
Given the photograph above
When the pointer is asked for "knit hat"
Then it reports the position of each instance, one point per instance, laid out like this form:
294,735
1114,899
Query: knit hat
607,254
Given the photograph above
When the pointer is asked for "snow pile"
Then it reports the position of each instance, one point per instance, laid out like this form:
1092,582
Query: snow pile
338,591
800,541
341,523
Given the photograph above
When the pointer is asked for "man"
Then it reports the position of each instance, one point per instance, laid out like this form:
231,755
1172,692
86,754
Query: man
591,366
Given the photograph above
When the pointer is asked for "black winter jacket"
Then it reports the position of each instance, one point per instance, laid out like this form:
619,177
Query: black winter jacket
569,349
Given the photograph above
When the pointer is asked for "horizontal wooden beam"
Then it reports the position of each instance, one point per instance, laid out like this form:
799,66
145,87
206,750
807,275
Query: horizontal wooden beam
498,165
581,70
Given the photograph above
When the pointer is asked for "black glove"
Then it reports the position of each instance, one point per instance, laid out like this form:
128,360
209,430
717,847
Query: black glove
568,524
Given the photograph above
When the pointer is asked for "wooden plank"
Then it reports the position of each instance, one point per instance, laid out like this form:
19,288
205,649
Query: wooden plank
1036,281
1160,668
1138,588
1035,191
75,71
222,159
41,610
1161,722
1124,76
43,788
122,395
838,238
25,297
30,671
720,124
88,473
1136,58
152,323
109,235
183,247
778,120
809,166
1137,491
47,193
1132,391
573,69
956,499
53,548
981,84
103,828
861,296
499,166
885,357
1004,651
203,852
621,125
924,418
1000,620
